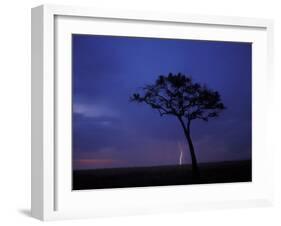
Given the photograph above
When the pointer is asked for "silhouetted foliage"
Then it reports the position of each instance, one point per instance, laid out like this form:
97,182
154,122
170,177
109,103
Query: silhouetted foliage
179,96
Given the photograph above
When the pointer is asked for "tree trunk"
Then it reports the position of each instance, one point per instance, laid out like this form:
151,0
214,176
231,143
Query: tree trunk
195,169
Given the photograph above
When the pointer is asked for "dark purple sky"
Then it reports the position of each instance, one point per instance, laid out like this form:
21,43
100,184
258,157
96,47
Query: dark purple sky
110,131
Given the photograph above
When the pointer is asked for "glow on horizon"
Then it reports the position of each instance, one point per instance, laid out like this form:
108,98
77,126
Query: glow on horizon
98,161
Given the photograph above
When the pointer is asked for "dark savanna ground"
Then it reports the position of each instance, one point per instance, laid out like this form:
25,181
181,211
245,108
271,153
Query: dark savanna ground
222,172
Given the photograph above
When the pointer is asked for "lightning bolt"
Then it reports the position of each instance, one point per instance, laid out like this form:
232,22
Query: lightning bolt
181,153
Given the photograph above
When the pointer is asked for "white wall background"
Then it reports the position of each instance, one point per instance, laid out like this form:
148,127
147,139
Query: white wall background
15,112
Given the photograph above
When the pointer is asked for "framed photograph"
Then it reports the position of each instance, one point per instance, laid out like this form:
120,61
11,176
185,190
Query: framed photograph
137,112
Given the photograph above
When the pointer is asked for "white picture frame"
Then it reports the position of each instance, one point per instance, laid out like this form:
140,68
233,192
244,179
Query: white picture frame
52,197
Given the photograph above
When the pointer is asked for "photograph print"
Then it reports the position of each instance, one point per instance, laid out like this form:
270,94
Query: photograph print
159,112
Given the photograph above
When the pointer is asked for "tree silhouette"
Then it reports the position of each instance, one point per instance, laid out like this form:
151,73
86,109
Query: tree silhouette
179,96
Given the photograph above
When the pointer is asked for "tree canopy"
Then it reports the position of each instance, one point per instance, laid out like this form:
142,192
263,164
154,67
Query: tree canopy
178,95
